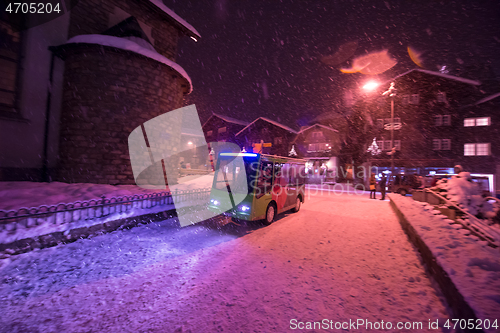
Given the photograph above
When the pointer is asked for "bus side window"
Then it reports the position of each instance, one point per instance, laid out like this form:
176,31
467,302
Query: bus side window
265,177
278,167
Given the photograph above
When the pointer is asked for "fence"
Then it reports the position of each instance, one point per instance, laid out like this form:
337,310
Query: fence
11,221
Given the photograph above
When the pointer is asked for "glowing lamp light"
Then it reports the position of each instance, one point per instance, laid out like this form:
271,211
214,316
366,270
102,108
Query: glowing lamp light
190,143
215,202
244,208
371,85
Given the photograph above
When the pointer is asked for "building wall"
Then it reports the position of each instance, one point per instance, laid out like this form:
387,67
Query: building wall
96,16
108,94
22,139
263,130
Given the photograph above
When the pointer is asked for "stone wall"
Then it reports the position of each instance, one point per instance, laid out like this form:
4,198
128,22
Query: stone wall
93,17
107,94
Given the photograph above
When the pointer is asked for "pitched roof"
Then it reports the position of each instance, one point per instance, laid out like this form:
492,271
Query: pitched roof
488,98
323,126
446,76
226,119
190,30
271,122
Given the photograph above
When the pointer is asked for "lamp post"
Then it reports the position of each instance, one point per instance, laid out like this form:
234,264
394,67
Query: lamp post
392,92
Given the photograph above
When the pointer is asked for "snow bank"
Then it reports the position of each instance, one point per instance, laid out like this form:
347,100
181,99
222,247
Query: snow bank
129,45
472,266
16,195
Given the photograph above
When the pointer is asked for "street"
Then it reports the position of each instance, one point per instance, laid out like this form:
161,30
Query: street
341,257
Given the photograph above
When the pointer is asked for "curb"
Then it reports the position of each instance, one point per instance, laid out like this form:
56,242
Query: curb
56,238
456,301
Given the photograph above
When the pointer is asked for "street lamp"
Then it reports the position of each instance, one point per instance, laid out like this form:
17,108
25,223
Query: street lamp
392,92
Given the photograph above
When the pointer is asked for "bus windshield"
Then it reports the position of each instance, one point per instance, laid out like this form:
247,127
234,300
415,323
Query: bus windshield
229,174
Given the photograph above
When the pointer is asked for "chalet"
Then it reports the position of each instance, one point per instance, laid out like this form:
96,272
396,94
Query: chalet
274,136
220,128
320,146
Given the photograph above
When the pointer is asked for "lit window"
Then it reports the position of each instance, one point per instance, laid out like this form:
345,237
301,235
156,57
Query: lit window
414,99
438,120
209,133
221,130
441,97
446,120
445,144
468,122
312,147
470,149
436,144
483,121
482,149
397,144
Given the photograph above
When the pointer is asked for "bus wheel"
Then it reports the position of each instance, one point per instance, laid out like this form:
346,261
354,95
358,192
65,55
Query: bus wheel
402,192
270,214
298,202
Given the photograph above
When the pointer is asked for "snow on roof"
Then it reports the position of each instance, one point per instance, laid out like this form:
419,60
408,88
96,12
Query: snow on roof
323,126
447,76
170,12
128,45
269,121
489,98
227,119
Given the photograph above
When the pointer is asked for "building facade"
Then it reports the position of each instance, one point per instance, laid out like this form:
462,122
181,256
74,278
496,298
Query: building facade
111,67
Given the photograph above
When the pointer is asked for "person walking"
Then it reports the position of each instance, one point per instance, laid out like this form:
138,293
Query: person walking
373,186
382,184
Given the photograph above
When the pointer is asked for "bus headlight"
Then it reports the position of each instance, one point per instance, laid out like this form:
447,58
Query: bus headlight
244,208
215,202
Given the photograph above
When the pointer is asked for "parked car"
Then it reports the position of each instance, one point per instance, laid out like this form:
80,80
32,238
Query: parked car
404,184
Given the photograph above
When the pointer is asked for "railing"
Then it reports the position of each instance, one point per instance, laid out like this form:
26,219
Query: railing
477,226
94,208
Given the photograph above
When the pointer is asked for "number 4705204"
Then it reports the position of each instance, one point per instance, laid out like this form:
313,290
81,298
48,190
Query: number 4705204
471,324
32,8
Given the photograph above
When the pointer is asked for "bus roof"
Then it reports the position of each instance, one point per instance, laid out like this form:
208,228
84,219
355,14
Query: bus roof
269,157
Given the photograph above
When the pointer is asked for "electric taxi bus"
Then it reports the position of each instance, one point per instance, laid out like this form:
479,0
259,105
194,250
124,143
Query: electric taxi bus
250,186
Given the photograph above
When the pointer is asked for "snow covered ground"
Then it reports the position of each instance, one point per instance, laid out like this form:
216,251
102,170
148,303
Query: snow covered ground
473,266
342,257
15,195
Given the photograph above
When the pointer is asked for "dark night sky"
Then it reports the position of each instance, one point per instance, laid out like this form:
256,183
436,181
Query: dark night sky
248,45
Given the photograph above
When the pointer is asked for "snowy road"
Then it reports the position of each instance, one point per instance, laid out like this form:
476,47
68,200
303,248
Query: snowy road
342,257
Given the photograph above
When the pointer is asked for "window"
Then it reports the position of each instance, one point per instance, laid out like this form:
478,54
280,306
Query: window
317,135
441,144
438,120
397,144
209,133
441,97
405,100
483,121
221,130
380,123
312,147
380,144
278,140
482,149
446,120
445,144
414,99
477,149
387,145
470,149
323,146
468,122
436,144
10,49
